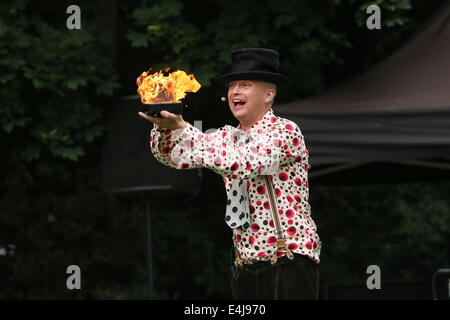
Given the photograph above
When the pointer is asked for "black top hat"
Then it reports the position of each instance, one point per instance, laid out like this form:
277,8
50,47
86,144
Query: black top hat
254,64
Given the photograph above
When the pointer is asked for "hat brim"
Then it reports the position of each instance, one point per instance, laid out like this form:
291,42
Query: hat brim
276,78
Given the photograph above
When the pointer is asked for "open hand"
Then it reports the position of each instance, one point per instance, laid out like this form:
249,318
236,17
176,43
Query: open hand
168,121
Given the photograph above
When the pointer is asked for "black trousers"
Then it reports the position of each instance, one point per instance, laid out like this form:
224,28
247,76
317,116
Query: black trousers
287,279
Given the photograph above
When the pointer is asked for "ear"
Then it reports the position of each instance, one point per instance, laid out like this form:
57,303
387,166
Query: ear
270,95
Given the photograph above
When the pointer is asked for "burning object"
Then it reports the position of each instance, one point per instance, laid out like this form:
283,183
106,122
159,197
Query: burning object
164,91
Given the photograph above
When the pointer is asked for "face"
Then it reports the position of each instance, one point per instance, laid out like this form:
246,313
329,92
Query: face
249,98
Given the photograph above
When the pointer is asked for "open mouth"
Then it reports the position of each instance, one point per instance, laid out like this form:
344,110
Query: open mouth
238,103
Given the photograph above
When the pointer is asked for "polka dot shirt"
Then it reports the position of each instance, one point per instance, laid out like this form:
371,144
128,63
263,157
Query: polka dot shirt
273,146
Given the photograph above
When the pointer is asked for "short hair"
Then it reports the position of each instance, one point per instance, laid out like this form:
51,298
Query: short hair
273,85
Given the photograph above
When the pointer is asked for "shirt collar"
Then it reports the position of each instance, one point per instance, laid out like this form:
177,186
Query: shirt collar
266,118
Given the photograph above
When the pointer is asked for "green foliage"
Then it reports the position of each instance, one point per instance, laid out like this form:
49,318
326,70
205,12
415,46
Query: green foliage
47,77
199,36
54,84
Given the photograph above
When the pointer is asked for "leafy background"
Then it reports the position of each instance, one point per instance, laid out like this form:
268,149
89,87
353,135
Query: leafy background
56,85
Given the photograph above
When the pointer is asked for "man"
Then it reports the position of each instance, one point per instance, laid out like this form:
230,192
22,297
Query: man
264,165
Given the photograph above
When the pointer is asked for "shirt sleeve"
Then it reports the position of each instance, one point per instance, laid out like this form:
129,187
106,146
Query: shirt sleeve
230,153
162,142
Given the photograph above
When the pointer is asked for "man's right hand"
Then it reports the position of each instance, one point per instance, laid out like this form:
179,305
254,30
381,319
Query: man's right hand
168,121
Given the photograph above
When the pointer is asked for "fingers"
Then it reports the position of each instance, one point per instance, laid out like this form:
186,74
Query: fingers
147,117
169,120
167,115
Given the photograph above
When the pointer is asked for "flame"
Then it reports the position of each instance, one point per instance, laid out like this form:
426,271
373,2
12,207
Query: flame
161,88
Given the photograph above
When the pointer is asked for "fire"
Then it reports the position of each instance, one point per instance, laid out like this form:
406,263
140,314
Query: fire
161,88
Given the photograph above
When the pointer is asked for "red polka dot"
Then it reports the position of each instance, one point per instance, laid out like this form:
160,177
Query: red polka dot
266,205
291,230
308,245
261,189
262,254
234,167
292,246
272,241
295,142
289,213
255,227
289,127
277,192
251,240
276,142
283,176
